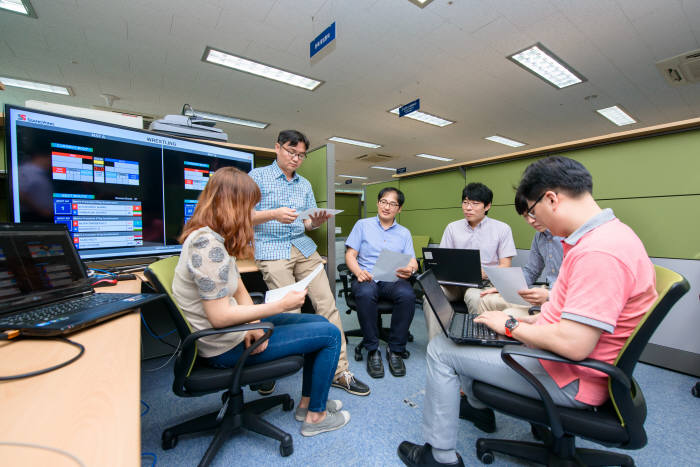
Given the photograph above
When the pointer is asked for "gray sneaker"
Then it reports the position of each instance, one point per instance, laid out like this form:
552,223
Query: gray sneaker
332,405
333,421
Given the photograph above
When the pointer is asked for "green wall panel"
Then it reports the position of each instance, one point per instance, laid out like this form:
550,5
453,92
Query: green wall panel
522,232
351,205
319,236
440,190
345,223
371,192
314,170
500,178
431,222
262,161
669,227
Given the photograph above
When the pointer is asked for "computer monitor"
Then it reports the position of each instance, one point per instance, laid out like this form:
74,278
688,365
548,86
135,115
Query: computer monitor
121,192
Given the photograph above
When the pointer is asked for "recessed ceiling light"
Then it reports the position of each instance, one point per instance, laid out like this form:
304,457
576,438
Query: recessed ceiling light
353,176
337,183
421,3
259,69
23,7
37,86
229,119
504,140
616,115
382,168
364,144
544,64
437,158
425,118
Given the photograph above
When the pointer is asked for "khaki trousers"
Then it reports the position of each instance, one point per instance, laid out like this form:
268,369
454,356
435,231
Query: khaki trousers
281,272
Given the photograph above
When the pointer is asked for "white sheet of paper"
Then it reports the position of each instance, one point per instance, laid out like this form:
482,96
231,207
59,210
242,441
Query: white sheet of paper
508,281
307,214
277,294
387,264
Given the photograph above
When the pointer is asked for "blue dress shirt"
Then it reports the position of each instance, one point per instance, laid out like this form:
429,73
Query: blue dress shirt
274,240
369,238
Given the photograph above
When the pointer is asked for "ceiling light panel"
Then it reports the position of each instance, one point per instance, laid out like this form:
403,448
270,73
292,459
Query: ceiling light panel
425,117
245,65
355,142
23,7
229,119
382,168
616,115
421,3
353,176
504,140
437,158
37,86
544,64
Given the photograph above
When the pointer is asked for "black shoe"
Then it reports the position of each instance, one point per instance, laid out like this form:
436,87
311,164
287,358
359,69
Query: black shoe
375,367
263,389
396,365
349,383
415,455
483,419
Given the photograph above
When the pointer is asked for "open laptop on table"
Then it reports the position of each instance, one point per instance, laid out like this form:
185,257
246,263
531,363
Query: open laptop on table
44,288
454,266
460,327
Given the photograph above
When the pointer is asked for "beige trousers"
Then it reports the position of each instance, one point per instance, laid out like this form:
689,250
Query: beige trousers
278,273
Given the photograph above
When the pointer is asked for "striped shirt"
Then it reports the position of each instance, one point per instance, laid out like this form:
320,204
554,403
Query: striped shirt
274,240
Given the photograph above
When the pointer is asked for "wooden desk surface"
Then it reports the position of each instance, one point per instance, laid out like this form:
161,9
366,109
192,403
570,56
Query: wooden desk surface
90,408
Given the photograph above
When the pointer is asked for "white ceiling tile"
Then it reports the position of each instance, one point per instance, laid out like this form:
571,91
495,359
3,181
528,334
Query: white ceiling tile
652,29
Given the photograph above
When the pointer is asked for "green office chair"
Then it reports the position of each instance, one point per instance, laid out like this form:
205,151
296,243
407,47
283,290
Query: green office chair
618,423
194,378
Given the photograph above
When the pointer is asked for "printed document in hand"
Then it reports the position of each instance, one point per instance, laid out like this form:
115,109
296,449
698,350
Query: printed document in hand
277,294
307,214
387,264
508,281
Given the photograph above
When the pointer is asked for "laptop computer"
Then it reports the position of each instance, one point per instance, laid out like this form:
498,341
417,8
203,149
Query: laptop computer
460,327
454,266
44,288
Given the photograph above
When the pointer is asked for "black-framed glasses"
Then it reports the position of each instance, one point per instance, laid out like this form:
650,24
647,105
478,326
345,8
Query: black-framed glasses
473,204
300,155
529,210
391,204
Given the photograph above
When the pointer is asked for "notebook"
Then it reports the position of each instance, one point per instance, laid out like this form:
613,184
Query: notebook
44,288
460,327
454,266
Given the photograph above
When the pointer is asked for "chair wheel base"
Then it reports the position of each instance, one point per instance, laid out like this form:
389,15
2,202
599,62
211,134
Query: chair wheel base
169,441
286,451
358,354
288,404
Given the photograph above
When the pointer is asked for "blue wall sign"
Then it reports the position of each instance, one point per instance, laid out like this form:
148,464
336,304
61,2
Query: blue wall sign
322,40
408,108
348,182
401,170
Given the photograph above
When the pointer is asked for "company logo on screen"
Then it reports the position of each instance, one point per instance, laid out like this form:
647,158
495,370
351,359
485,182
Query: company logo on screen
22,117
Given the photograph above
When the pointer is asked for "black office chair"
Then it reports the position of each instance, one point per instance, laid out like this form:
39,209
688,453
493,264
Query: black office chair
194,378
618,423
384,307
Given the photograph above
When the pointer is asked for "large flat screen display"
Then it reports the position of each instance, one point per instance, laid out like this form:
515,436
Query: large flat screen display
121,192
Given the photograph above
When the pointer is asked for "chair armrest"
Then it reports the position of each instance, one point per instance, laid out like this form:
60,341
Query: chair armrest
257,297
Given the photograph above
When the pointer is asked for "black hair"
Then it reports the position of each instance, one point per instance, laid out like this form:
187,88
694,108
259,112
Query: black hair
555,173
520,203
399,194
293,137
478,192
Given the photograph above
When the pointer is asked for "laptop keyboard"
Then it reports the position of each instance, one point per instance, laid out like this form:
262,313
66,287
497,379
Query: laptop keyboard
57,310
472,329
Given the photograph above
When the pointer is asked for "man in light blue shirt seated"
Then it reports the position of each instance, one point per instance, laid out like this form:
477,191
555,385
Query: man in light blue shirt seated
546,255
368,238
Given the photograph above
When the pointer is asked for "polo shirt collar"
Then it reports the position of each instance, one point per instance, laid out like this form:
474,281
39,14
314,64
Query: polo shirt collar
277,171
379,223
606,215
479,226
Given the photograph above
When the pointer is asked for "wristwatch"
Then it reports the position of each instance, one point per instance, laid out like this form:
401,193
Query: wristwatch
511,324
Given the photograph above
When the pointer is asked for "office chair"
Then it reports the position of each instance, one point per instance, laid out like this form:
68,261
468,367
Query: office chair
384,307
618,423
194,378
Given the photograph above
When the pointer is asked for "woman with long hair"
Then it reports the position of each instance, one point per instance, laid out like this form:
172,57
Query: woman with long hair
209,290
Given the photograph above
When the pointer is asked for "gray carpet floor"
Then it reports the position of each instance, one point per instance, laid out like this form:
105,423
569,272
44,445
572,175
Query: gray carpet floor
392,413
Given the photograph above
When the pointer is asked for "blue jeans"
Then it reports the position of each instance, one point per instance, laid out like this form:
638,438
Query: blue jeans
295,334
367,294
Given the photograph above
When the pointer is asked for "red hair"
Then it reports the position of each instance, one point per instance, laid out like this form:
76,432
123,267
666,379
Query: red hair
225,205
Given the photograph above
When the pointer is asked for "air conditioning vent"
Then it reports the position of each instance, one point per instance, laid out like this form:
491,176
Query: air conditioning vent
682,69
374,158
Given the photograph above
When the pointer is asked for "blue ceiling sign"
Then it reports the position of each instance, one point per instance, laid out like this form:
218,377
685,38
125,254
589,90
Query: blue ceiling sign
322,40
348,182
408,108
401,170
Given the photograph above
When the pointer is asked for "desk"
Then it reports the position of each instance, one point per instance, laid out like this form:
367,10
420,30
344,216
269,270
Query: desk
90,408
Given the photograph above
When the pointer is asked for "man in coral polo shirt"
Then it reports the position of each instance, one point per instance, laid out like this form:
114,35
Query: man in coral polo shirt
606,284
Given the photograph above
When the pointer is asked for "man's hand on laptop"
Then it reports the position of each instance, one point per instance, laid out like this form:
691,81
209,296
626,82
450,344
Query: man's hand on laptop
495,320
363,276
535,295
488,291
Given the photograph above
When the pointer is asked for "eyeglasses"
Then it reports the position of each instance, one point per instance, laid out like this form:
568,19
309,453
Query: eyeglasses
300,155
473,204
529,210
391,204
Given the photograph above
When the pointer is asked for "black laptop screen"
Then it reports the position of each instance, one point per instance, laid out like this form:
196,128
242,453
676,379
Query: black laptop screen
37,265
